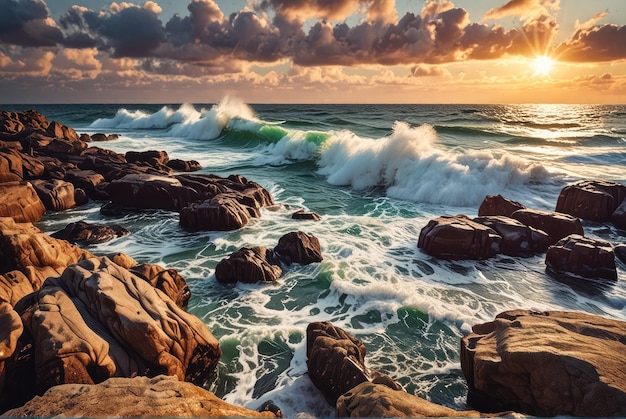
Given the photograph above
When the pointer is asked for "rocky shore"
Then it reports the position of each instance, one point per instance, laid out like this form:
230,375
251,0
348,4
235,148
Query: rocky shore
104,335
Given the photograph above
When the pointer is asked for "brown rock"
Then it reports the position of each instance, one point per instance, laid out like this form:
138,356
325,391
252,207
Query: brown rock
458,237
11,169
584,257
86,180
10,330
517,239
167,280
221,213
150,191
104,137
184,165
56,195
619,216
84,234
547,364
153,157
298,247
593,200
305,215
14,285
248,265
336,361
498,205
20,201
556,224
139,397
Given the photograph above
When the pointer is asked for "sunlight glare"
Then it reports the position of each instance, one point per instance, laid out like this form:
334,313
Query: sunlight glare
542,65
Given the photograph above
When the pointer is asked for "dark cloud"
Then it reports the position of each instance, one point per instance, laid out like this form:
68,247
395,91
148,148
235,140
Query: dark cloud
600,43
27,23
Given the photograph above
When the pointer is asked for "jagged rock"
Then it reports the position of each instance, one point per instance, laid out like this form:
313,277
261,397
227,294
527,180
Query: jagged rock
87,180
517,238
248,265
56,195
619,216
547,364
556,224
11,169
150,191
458,237
224,212
84,234
184,165
298,247
98,320
336,361
305,215
369,400
20,201
14,285
10,330
123,260
139,397
167,280
153,157
498,205
104,137
580,256
593,200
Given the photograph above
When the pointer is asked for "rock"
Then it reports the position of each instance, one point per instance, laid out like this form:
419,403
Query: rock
11,169
517,239
20,201
87,180
593,200
104,137
138,397
80,197
56,195
152,157
98,320
619,216
184,165
58,130
10,330
249,265
579,256
150,191
84,234
305,215
33,167
547,364
298,247
498,205
620,252
458,237
369,400
336,361
167,280
14,285
556,224
124,260
224,212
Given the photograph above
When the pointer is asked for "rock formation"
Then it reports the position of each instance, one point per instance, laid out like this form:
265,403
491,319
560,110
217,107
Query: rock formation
592,200
583,257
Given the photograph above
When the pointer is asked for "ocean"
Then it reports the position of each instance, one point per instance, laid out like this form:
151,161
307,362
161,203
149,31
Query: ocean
376,174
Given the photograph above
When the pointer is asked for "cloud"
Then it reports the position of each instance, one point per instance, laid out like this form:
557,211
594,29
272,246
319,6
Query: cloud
596,44
525,9
27,23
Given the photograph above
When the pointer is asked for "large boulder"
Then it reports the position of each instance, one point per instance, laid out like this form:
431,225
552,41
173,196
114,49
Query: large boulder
249,265
517,238
224,212
19,201
167,280
556,224
11,169
336,361
98,320
619,216
298,247
84,234
10,330
152,157
184,165
14,285
593,200
301,214
547,364
55,194
582,257
87,180
498,205
138,397
458,237
151,191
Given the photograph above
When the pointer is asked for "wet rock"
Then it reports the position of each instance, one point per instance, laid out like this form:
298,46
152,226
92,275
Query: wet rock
556,224
84,234
104,137
498,205
224,212
19,201
139,397
458,237
249,265
593,200
582,257
517,238
336,361
152,157
184,165
150,191
87,180
80,197
298,247
619,216
167,280
305,215
55,194
547,364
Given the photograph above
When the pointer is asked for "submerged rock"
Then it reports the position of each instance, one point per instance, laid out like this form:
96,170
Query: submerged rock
583,257
547,364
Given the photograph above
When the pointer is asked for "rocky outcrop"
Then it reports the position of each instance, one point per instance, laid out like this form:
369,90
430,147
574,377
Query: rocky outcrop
498,205
547,364
167,280
517,239
458,237
139,397
593,200
298,247
249,265
153,157
19,201
184,165
10,330
557,225
150,191
100,137
582,257
84,234
55,194
220,213
336,361
306,215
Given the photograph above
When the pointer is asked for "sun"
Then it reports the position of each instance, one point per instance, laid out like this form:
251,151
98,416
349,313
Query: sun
542,65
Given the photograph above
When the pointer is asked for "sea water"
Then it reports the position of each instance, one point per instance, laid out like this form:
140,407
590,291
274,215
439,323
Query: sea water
376,174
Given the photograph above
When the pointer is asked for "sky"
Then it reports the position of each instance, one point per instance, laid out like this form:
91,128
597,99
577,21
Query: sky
313,51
